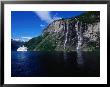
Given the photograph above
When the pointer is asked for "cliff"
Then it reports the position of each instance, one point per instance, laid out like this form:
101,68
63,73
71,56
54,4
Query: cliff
70,34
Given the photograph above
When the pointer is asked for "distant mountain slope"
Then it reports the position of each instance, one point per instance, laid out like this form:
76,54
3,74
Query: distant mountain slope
81,32
15,44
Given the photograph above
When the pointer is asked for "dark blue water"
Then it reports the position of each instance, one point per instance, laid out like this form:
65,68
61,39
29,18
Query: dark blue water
55,64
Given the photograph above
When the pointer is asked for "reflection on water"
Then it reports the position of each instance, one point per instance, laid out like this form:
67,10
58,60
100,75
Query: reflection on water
65,56
80,59
41,64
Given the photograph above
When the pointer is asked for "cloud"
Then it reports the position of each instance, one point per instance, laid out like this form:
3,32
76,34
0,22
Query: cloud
46,16
26,38
42,25
56,17
16,39
22,39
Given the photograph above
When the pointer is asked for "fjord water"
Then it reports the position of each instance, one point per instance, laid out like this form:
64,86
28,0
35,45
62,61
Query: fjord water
55,64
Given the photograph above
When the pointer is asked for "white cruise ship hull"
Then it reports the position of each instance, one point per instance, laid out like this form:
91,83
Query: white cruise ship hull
22,48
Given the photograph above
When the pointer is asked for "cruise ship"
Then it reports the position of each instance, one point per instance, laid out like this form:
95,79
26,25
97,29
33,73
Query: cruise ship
23,48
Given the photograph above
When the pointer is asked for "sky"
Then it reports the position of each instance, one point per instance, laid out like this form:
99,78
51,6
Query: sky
28,24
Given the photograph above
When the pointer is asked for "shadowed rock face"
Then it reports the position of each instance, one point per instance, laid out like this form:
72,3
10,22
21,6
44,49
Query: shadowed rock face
81,32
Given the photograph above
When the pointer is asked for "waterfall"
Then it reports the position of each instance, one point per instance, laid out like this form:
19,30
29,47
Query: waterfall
79,35
79,59
66,37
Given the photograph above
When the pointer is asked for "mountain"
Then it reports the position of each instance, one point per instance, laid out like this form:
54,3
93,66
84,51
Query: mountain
70,34
15,44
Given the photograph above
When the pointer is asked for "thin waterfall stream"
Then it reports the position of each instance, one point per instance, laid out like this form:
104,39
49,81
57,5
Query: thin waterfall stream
79,43
79,35
66,37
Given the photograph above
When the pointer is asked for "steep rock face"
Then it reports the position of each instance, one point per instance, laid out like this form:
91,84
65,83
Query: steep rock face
81,32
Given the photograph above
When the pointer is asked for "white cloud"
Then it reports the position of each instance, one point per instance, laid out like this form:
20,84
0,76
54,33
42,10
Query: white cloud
22,39
42,25
16,39
55,17
46,16
26,38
